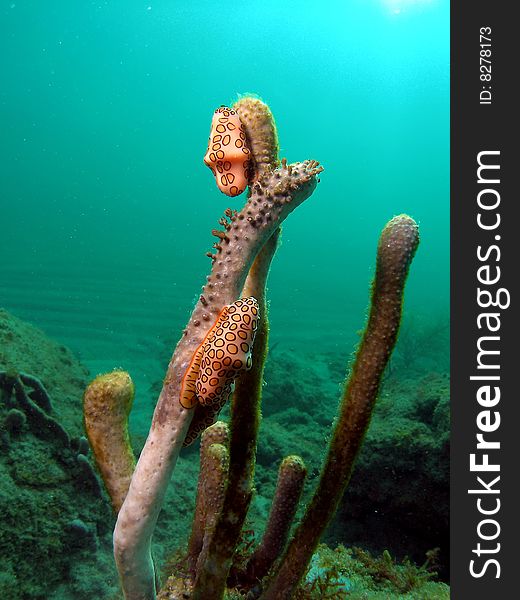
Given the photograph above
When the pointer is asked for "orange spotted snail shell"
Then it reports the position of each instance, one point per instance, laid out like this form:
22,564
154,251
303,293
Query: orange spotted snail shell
228,155
222,355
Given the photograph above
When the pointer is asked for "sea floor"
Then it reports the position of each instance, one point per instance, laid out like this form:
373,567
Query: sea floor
132,321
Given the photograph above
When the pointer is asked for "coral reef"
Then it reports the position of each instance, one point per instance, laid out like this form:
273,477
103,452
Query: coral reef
354,573
26,349
198,383
396,249
211,575
406,449
30,395
56,526
275,194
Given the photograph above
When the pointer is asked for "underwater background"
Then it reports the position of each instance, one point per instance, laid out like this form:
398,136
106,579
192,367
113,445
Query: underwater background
107,210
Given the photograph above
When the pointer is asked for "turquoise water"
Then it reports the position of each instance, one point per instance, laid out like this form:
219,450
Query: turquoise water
105,110
107,207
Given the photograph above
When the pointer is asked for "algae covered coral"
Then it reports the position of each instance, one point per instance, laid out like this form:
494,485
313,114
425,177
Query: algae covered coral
372,510
55,534
240,267
226,556
109,213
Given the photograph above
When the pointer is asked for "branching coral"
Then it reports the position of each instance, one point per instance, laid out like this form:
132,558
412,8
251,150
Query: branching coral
106,406
30,404
273,196
289,486
199,380
32,397
397,246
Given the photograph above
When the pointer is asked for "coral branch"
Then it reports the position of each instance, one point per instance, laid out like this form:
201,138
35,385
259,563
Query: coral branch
35,405
39,393
261,133
291,477
214,473
213,477
216,434
397,246
106,406
273,197
245,419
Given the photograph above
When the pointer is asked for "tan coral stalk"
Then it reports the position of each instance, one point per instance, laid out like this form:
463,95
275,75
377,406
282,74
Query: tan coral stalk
214,468
396,249
261,132
106,405
291,477
245,419
214,472
216,434
273,197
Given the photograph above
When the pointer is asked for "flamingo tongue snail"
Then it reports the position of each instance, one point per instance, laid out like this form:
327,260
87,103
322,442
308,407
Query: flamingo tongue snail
223,354
228,155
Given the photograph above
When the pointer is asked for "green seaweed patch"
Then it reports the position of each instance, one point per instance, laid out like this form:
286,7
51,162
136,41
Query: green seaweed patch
30,465
356,574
